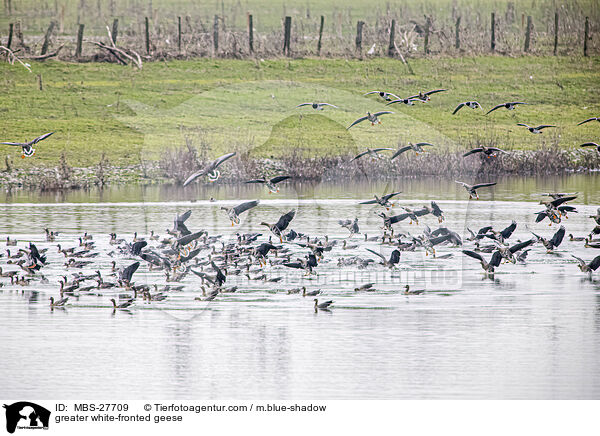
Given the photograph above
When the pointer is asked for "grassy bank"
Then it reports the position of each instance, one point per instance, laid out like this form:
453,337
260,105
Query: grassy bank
249,106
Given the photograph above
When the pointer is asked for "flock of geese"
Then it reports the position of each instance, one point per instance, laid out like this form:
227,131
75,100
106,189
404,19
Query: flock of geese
212,258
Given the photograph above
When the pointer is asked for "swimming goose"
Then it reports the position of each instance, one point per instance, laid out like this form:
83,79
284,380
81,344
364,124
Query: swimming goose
424,96
392,262
317,106
373,118
472,189
352,226
322,306
488,267
576,238
596,217
588,267
588,120
536,129
27,147
10,242
489,152
270,183
591,144
554,242
408,291
281,225
469,104
365,287
296,290
418,148
372,152
387,96
123,305
59,303
311,293
383,200
209,170
510,106
234,212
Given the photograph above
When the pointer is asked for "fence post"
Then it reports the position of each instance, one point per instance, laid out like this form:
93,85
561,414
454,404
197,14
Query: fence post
287,35
79,41
115,30
493,43
216,34
179,34
359,29
147,31
250,34
320,35
457,35
427,30
40,84
528,33
10,35
586,36
47,37
555,33
392,36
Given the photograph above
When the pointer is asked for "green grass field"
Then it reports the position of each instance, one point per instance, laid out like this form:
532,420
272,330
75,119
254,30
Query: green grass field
249,106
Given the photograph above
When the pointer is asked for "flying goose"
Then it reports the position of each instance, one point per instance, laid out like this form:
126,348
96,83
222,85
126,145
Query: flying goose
234,212
387,96
352,226
317,106
373,118
472,189
393,261
591,144
588,267
508,253
554,242
424,96
270,183
487,151
407,101
536,129
371,152
490,266
281,225
469,104
510,106
588,120
209,170
383,200
418,148
26,147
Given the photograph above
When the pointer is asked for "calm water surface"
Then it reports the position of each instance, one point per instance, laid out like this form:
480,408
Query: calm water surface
531,332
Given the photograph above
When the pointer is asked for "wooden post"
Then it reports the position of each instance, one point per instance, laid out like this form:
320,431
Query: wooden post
9,7
47,37
457,35
79,41
359,29
147,23
115,30
216,34
586,36
320,35
528,33
250,34
391,46
555,33
179,34
40,84
493,23
287,31
11,27
427,30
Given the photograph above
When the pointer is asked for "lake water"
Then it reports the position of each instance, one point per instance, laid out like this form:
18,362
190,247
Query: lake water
533,331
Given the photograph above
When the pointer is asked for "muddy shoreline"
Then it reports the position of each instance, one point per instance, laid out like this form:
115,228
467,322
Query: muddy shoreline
548,161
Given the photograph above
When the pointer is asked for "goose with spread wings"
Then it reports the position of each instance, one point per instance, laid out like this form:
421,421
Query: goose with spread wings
417,148
383,200
210,170
234,212
373,118
271,184
489,152
591,144
472,189
589,120
588,267
490,266
282,224
387,96
393,260
510,106
469,104
317,106
425,96
555,241
535,129
373,152
27,147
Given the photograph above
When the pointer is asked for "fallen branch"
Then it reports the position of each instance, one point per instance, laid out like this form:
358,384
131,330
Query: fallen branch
112,51
46,56
11,57
404,60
